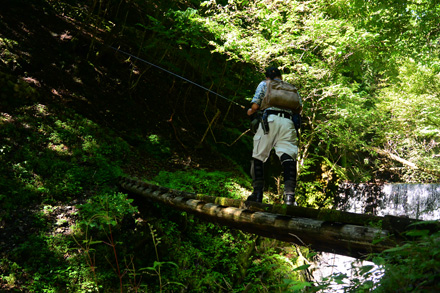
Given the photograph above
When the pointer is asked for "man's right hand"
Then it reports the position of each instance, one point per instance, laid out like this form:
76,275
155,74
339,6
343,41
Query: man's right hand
254,108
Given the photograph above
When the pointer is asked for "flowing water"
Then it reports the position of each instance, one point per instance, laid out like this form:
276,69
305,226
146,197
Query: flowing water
417,201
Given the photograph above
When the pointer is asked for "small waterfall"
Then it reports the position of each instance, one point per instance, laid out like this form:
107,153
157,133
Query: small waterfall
418,201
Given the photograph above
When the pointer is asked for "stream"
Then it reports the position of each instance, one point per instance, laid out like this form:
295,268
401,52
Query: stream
418,201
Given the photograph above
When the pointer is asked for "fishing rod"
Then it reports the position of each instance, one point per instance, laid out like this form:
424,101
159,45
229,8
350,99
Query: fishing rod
154,65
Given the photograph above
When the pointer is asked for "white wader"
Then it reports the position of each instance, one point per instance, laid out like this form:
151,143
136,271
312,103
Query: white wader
282,137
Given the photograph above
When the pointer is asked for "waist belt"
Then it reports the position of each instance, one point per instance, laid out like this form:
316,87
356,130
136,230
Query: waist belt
278,113
265,123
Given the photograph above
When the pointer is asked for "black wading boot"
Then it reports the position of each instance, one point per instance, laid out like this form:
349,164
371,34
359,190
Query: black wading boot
257,173
289,166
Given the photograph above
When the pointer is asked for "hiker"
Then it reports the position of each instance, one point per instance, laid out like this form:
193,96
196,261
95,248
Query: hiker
275,130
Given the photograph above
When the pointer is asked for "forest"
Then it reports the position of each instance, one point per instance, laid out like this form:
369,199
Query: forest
95,90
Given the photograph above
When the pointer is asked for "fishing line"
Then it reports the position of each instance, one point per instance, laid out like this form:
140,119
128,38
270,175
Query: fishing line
154,65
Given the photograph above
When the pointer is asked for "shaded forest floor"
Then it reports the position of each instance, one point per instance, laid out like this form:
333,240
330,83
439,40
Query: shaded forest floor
61,85
70,67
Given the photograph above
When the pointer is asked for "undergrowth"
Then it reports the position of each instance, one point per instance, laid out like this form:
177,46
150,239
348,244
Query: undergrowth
215,183
53,157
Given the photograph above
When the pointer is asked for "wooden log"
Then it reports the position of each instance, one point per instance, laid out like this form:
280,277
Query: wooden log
322,233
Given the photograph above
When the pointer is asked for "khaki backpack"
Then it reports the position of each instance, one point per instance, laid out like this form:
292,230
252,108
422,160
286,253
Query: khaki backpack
282,95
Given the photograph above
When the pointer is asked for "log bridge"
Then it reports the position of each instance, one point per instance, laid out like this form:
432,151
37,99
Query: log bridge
350,234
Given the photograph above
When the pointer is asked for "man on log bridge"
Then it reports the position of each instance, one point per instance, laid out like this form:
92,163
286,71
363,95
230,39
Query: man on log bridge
275,111
345,233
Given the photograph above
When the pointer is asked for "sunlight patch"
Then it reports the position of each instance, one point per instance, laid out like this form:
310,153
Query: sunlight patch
5,117
31,80
59,148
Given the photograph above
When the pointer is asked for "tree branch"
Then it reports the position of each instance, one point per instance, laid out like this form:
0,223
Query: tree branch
405,162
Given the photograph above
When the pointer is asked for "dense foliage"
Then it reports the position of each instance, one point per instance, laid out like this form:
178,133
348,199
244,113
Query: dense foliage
359,66
75,114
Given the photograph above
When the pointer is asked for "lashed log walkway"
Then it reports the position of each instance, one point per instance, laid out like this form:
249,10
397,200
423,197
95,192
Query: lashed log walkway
333,231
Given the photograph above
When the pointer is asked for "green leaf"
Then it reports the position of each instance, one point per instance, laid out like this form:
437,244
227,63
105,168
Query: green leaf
417,233
303,267
397,248
365,269
379,260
